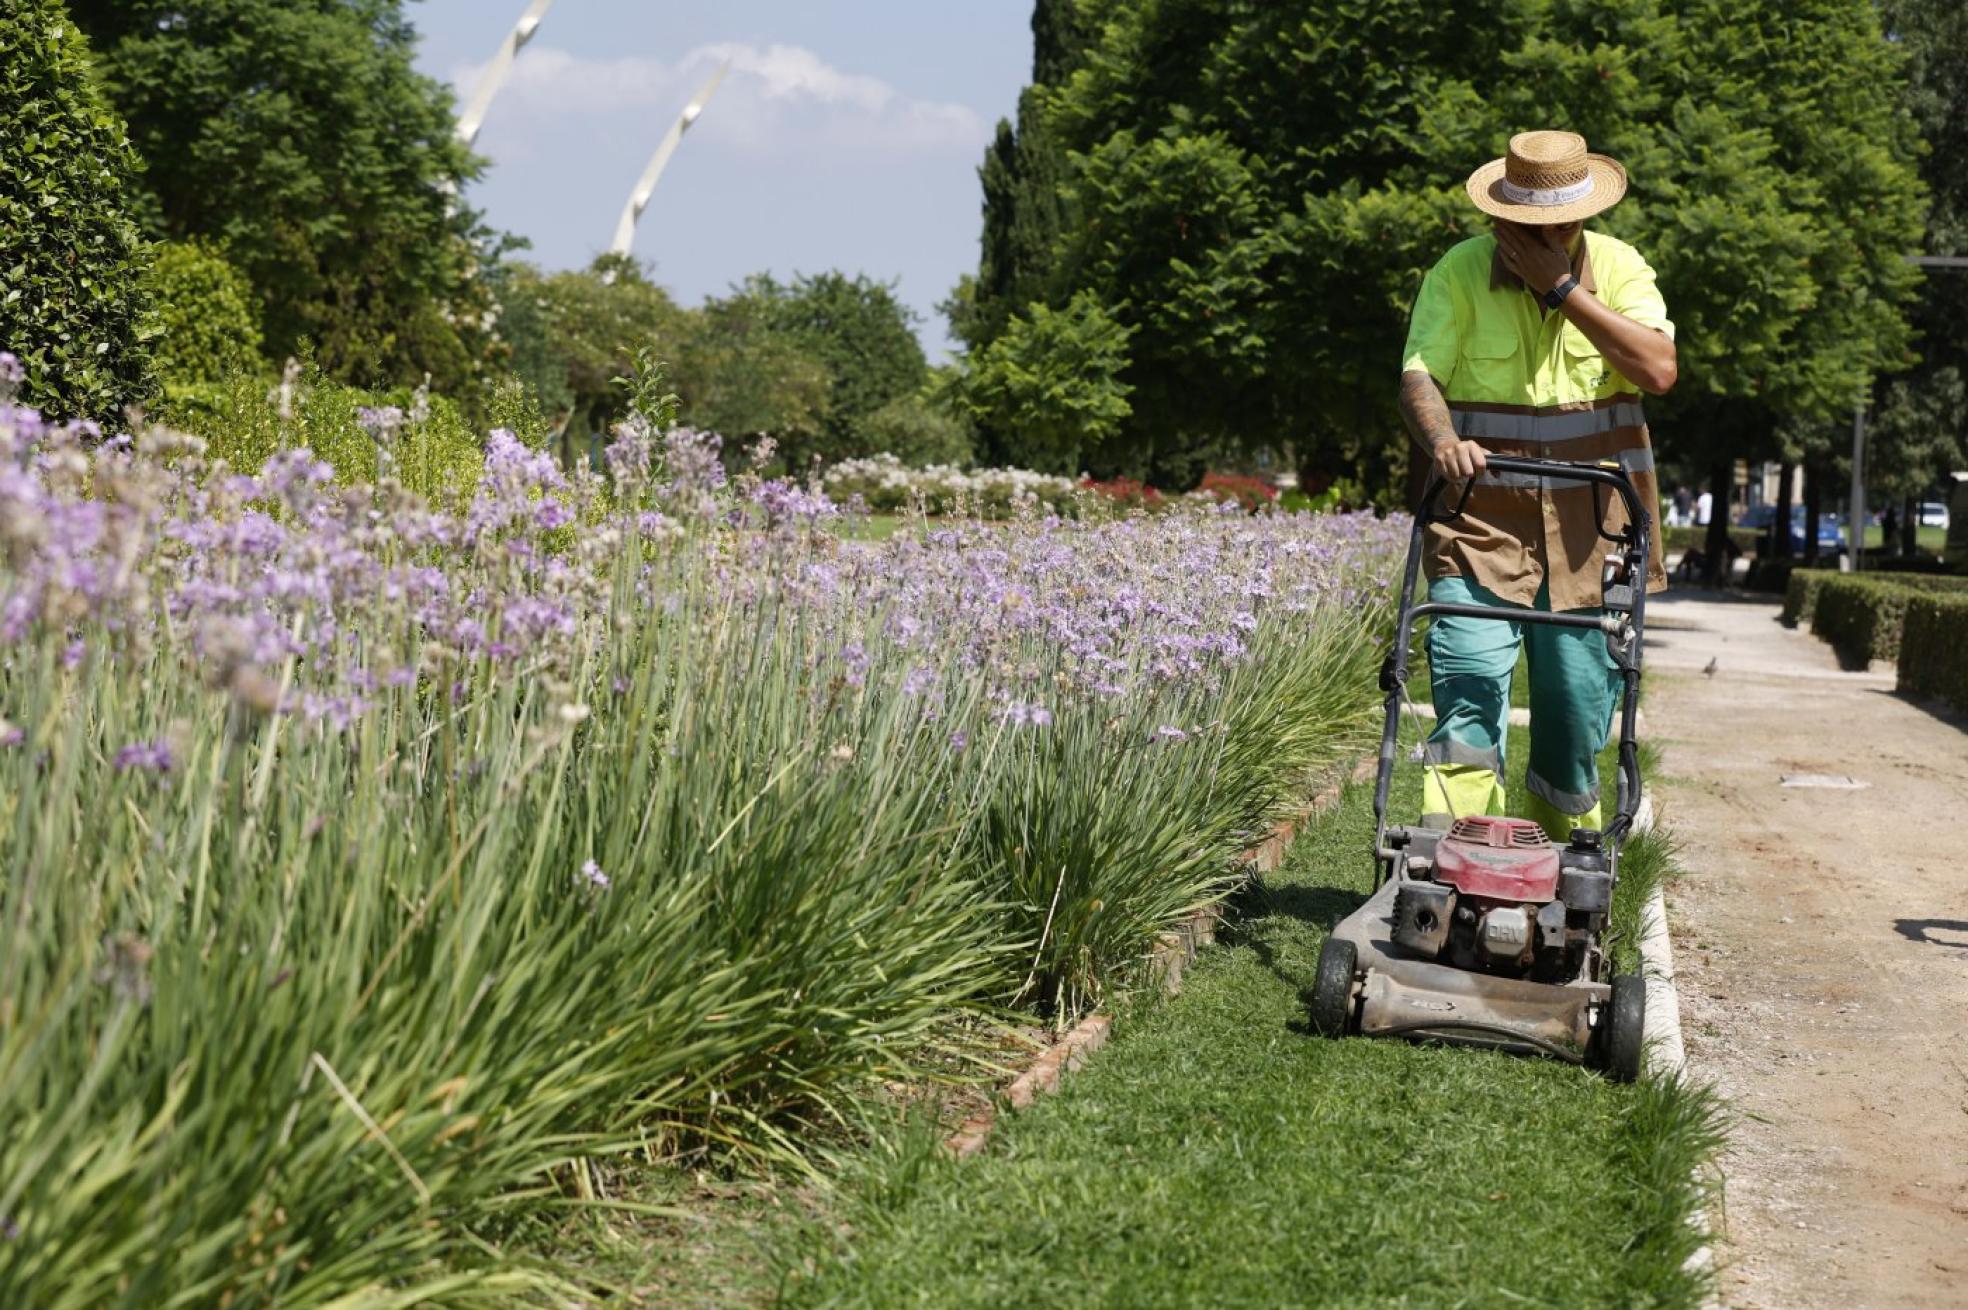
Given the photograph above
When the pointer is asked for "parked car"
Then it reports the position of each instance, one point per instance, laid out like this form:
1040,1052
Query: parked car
1933,514
1831,532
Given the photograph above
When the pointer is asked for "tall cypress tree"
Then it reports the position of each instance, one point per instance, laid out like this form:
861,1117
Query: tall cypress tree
1023,171
1023,175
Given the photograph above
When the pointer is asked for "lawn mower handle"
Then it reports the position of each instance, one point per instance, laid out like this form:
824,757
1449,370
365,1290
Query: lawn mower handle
1623,620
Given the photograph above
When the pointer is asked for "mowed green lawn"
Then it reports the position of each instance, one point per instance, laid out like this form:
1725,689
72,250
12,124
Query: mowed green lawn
1926,537
1217,1154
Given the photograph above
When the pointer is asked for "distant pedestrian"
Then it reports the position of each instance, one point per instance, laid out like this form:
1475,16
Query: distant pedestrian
1704,509
1684,506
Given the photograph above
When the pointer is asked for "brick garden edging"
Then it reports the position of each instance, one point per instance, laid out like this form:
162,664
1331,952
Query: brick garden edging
1171,956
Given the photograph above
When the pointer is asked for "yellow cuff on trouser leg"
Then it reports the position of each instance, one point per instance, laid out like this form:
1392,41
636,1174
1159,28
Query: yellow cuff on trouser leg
1458,791
1557,824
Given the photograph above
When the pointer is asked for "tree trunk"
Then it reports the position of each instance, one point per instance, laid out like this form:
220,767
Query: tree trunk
1786,506
1715,544
1813,507
1909,527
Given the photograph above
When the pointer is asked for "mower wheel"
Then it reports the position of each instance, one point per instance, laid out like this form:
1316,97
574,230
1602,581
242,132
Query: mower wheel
1332,989
1626,1025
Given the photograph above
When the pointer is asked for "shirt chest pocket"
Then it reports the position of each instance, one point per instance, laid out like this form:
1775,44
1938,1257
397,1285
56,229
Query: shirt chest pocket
1586,370
1492,368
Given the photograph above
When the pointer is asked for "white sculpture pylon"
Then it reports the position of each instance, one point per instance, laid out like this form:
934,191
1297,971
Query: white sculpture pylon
646,185
495,73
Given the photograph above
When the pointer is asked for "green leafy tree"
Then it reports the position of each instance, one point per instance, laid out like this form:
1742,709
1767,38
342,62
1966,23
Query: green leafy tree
1056,381
919,431
859,332
301,137
524,316
73,303
1920,420
595,321
1256,190
742,375
208,322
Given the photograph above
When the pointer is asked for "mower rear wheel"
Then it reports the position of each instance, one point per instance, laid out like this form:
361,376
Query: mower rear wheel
1626,1026
1332,988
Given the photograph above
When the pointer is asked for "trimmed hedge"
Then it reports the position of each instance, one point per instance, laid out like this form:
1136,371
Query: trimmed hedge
1862,614
1773,575
1801,593
1803,586
241,423
208,319
1678,537
1860,617
1934,647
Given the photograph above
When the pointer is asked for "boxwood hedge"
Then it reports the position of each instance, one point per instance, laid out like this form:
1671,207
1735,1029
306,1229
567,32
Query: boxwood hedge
1862,615
1934,647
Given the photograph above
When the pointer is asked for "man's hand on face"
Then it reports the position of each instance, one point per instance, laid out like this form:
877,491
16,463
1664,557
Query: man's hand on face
1534,254
1458,461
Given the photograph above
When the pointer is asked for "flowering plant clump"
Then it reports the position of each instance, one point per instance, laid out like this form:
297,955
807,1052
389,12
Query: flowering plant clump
1252,494
383,855
886,485
1131,492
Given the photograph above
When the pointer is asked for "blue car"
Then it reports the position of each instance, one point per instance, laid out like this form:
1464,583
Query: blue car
1831,533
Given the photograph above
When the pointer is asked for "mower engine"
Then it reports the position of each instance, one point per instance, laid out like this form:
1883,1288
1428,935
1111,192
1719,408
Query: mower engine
1496,895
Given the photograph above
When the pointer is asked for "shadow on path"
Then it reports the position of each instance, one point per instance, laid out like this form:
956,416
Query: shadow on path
1923,930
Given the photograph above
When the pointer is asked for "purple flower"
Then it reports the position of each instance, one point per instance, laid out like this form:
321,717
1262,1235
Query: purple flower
595,877
380,422
293,476
152,755
1022,715
1169,732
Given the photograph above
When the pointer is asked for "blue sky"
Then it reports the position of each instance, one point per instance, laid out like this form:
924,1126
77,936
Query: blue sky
847,135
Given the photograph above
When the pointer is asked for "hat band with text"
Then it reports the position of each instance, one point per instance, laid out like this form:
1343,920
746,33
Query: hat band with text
1564,195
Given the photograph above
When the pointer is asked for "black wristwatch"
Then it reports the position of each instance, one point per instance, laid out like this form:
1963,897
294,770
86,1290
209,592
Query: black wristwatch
1556,296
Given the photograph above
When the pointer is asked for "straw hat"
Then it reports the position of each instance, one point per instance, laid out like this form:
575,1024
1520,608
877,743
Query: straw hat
1547,178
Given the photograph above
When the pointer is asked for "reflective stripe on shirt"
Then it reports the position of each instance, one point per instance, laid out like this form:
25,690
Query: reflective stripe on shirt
1567,425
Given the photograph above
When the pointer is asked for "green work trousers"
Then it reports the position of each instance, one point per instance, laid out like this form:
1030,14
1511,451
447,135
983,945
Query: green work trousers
1575,688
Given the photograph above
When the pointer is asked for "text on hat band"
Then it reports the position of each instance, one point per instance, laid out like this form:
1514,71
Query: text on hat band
1564,195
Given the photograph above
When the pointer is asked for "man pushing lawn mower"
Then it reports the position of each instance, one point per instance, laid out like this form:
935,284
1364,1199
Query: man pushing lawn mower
1527,353
1535,341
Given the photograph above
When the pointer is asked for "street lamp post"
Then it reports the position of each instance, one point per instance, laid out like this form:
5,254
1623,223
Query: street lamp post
646,185
495,73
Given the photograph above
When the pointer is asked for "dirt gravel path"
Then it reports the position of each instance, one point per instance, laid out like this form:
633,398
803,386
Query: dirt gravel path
1821,944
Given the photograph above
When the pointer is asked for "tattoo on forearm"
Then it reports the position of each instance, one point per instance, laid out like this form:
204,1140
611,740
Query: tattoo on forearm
1426,412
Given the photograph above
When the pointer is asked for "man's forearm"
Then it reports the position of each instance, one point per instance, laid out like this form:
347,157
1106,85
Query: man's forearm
1425,411
1640,353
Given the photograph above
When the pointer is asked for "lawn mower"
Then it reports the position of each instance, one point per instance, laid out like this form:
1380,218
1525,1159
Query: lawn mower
1486,932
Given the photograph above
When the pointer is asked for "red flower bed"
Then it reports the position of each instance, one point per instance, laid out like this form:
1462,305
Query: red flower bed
1252,493
1128,491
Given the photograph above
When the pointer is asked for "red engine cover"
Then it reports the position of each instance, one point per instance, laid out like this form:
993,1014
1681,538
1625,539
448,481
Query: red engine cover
1498,860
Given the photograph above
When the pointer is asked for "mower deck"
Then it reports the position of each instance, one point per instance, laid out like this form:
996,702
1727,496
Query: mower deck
1403,996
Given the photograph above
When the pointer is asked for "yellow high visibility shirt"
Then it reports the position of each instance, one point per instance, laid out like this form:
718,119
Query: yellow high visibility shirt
1521,380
